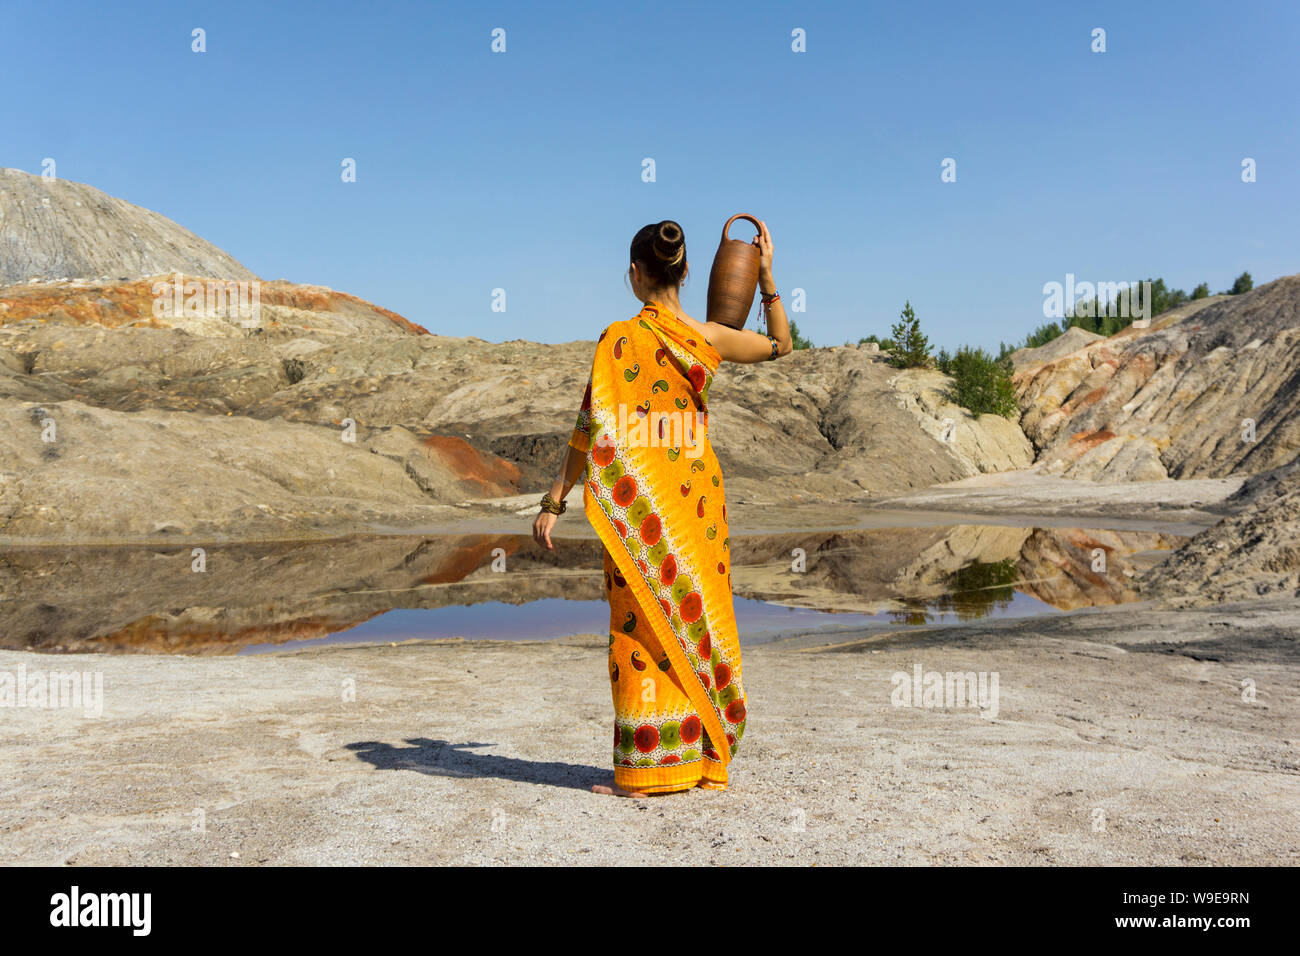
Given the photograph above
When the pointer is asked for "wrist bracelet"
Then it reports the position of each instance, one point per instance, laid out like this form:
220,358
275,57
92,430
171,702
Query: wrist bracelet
770,296
553,506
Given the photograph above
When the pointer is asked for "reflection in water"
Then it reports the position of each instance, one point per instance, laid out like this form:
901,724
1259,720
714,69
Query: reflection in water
549,618
265,596
980,589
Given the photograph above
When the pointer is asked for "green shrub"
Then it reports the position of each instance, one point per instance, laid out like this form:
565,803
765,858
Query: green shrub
982,383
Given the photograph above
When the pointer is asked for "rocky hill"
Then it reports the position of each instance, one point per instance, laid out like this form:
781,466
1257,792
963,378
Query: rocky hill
1210,389
209,426
148,407
53,229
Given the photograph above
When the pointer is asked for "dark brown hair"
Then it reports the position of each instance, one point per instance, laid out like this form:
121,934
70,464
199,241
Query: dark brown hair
660,248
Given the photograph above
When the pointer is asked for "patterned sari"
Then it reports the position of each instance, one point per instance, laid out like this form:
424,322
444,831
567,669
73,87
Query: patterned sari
653,491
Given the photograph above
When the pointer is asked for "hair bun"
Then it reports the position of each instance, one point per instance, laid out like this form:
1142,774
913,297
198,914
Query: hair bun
669,243
659,248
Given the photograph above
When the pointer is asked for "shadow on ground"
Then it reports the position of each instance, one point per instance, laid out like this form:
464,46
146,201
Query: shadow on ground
445,759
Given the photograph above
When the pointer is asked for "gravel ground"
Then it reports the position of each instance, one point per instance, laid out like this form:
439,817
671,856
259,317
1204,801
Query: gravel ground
1121,737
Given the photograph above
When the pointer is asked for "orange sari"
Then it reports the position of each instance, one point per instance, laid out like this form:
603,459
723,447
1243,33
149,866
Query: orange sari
653,491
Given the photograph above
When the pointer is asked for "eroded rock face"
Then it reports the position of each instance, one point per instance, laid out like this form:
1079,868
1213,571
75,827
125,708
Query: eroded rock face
207,418
1177,400
121,423
72,471
54,229
836,422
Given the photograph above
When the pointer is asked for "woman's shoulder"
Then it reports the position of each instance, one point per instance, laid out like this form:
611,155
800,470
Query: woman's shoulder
621,326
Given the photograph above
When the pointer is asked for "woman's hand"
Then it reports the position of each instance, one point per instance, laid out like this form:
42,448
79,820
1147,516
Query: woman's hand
764,242
542,529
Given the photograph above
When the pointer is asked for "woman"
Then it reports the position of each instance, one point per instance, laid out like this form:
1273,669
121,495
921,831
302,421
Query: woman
653,491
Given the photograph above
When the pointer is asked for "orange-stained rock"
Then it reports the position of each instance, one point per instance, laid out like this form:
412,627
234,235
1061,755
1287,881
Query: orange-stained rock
116,305
487,477
1206,391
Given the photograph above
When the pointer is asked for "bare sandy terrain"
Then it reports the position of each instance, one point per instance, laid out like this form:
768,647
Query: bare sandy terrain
1121,737
1018,494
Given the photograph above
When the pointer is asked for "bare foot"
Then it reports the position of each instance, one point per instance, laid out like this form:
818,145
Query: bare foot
616,791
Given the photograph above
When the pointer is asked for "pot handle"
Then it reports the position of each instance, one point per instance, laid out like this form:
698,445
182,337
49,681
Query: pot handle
740,215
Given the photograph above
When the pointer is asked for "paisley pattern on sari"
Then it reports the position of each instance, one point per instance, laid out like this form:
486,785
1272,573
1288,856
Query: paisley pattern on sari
653,491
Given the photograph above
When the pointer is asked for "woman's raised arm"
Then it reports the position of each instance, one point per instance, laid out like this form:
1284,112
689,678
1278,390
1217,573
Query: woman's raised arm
740,345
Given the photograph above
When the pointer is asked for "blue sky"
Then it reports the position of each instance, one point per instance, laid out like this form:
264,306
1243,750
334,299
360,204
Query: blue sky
522,170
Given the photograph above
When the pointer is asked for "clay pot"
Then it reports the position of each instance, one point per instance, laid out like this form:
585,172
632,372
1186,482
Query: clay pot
733,280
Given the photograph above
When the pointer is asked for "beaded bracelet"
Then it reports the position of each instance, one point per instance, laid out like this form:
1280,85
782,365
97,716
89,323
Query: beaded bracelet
765,300
553,506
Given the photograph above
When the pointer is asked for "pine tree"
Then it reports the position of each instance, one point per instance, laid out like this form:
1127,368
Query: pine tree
911,349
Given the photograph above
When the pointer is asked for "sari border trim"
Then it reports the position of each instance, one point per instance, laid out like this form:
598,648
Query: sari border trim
671,779
658,779
688,679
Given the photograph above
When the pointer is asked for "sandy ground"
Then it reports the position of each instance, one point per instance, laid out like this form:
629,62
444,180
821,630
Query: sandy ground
1121,737
1027,491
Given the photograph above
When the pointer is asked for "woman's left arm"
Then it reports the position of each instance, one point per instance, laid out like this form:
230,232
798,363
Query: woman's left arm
570,471
575,461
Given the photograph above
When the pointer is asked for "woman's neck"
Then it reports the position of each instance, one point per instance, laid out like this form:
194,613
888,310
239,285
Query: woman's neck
668,297
671,300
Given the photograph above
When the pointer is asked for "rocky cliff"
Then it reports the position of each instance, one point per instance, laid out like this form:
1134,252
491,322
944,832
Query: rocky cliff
1210,389
172,402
